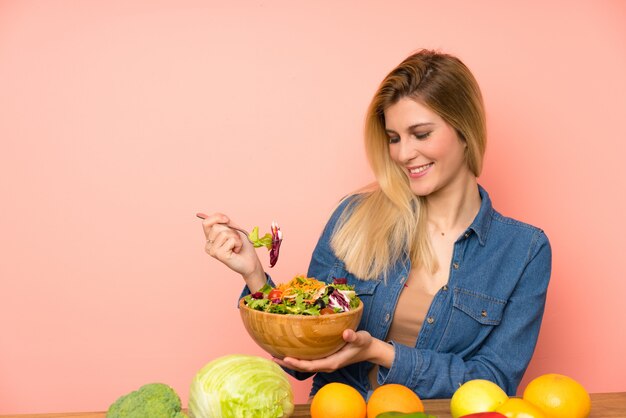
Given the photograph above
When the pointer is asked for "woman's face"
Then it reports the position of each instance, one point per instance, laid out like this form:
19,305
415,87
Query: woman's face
430,151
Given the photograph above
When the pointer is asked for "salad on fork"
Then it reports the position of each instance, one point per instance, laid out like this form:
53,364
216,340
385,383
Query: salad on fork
270,241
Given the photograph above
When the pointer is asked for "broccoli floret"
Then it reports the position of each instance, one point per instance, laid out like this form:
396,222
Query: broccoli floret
154,400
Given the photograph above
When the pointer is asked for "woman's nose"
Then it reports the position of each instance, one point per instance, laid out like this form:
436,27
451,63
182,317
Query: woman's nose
408,151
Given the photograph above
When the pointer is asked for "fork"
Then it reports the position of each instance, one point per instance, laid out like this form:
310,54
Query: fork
236,228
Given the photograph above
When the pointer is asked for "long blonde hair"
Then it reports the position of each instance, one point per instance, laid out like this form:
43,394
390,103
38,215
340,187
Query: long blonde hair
387,220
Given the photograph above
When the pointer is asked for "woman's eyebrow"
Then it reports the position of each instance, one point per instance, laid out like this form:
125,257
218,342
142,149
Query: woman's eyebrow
419,125
410,128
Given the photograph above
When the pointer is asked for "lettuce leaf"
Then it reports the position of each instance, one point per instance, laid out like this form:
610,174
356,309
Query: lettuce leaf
264,241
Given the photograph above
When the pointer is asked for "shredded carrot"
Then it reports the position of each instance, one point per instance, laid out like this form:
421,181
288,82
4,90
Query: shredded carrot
303,285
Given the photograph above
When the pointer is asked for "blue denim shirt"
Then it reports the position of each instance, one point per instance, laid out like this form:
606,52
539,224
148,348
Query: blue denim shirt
483,324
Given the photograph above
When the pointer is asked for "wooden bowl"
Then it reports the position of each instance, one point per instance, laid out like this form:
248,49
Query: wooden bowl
303,337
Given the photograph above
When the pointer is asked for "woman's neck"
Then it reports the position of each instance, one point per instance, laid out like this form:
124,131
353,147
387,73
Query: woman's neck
455,207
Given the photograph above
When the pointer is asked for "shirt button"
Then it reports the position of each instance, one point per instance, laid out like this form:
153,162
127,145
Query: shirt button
483,313
445,287
466,235
387,318
430,319
456,266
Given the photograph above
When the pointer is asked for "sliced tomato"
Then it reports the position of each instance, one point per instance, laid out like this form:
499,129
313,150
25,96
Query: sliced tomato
275,294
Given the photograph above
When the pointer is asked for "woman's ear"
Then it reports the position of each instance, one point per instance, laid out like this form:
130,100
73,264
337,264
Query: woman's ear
461,138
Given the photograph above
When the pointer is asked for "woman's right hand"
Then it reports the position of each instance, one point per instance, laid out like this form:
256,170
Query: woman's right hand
233,249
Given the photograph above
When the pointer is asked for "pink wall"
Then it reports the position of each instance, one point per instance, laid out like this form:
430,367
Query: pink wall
119,120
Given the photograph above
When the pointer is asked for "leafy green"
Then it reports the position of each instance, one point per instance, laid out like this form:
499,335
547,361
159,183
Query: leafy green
266,289
258,304
264,241
155,400
241,386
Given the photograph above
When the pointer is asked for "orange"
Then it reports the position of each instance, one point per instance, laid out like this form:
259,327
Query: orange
393,397
477,395
558,396
337,400
519,408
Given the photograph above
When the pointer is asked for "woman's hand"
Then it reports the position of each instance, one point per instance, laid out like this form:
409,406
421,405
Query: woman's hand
233,249
360,346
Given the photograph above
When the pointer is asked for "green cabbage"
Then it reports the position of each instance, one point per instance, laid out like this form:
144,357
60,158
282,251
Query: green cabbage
240,386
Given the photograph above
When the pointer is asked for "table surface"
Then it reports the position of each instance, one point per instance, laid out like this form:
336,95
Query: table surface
603,405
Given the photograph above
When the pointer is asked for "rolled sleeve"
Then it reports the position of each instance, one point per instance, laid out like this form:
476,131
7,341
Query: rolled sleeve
245,292
404,368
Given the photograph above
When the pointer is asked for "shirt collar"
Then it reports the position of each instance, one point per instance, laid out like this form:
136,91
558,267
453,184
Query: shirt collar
482,221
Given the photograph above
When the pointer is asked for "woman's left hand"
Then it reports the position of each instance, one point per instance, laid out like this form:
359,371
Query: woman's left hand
358,348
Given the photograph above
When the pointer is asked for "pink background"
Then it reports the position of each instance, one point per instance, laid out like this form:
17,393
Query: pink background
119,120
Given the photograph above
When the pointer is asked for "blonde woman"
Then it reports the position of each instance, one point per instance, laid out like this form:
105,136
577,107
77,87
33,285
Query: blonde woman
452,289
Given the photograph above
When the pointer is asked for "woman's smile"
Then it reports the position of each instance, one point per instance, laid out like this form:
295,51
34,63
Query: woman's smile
419,171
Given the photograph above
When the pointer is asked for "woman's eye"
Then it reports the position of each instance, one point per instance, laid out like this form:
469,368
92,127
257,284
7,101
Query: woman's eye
394,139
422,135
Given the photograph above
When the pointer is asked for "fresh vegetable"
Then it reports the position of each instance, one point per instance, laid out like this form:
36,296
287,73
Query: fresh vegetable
305,296
275,294
270,241
240,386
404,415
155,400
338,300
264,241
277,238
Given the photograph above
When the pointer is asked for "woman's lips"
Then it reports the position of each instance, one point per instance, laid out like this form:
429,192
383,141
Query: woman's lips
419,171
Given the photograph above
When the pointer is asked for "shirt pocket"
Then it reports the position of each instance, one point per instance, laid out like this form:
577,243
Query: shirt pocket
365,290
474,315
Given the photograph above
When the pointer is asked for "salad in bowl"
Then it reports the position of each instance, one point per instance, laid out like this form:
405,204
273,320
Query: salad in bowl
305,296
303,318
